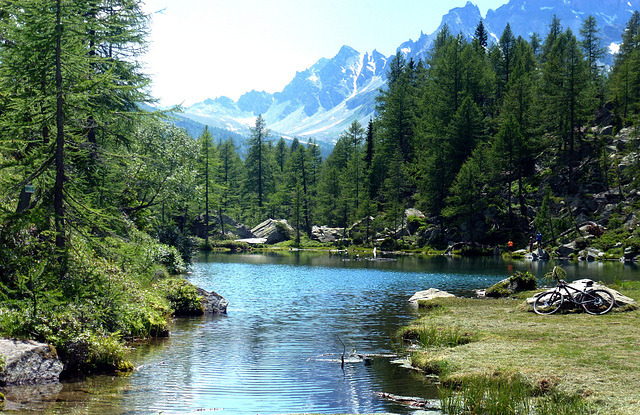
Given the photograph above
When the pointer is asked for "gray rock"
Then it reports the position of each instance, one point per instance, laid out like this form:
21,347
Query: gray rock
429,294
28,361
590,254
326,234
213,302
273,230
566,249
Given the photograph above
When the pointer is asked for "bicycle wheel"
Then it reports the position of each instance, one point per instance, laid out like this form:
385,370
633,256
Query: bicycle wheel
598,301
548,303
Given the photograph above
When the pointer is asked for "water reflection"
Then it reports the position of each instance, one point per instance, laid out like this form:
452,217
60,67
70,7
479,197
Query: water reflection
278,349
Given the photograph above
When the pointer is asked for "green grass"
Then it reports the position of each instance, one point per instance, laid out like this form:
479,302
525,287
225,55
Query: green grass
592,362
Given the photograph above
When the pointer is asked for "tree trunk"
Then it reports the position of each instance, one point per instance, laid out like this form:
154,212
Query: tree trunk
58,192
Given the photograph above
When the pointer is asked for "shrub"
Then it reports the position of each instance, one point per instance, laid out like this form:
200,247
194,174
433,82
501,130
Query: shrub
95,353
183,297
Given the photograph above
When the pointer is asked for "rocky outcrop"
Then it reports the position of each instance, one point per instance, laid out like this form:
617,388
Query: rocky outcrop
28,362
212,302
232,227
273,231
520,281
429,294
326,234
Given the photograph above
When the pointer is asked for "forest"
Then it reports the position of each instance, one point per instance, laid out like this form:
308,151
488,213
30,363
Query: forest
491,141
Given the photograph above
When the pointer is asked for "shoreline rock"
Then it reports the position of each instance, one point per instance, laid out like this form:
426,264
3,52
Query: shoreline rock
28,362
212,302
429,294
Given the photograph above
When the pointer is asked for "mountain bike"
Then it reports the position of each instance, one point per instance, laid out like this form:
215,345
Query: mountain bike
594,301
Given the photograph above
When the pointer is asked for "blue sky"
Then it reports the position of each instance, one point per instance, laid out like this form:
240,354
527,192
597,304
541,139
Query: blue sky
208,48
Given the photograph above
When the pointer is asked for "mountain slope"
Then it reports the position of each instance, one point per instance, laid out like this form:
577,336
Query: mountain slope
321,101
318,101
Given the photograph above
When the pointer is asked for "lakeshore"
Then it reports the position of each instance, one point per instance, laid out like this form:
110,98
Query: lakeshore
593,359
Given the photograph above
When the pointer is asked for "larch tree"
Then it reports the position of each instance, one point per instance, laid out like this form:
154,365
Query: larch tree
257,161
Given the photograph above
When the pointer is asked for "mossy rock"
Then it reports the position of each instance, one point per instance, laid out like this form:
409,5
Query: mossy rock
518,282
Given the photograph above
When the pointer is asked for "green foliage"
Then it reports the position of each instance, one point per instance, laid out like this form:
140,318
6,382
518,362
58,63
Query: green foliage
183,297
91,352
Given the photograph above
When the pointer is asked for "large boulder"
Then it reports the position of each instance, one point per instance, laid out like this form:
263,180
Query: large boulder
566,249
326,234
28,362
520,281
273,231
429,294
212,302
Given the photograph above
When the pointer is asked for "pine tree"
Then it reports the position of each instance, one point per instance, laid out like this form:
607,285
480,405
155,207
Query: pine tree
257,162
208,167
625,76
231,178
566,97
481,38
591,46
67,92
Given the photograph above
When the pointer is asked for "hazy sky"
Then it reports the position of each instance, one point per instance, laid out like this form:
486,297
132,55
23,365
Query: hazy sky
208,48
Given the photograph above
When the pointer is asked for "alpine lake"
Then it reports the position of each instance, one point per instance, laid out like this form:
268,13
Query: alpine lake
291,318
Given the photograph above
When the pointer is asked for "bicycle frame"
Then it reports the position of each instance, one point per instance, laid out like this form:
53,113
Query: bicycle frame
562,285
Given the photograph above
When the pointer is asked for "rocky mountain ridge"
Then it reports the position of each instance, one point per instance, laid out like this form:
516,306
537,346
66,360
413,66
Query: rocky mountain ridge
321,101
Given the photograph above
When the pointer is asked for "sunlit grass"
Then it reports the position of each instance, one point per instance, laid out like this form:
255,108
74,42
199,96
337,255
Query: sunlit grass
594,360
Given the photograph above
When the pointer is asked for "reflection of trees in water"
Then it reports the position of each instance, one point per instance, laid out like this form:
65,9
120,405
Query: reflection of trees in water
282,314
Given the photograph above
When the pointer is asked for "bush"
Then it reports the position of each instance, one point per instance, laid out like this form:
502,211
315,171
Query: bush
183,297
94,353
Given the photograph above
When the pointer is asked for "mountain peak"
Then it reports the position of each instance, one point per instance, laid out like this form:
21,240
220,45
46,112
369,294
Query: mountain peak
321,101
346,50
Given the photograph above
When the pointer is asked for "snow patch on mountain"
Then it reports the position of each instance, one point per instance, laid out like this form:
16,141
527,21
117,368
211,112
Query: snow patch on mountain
322,101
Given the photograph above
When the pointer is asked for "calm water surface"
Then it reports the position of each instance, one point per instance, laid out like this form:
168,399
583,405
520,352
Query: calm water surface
278,349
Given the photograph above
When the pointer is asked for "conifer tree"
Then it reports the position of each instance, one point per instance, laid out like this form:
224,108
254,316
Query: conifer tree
591,46
208,167
566,97
625,76
231,178
481,38
68,91
257,162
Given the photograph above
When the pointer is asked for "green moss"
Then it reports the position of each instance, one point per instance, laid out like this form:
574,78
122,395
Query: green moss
520,281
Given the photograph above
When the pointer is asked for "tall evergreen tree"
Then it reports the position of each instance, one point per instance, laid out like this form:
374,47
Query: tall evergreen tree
67,90
257,161
625,76
591,46
481,38
565,94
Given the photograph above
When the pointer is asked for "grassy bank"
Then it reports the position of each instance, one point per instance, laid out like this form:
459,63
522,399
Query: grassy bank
115,290
591,363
